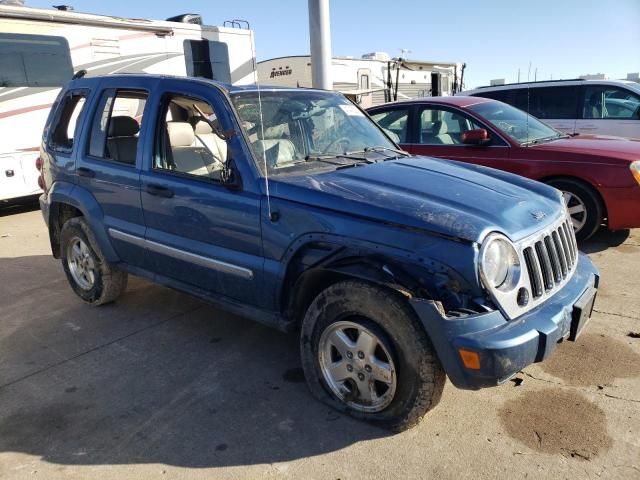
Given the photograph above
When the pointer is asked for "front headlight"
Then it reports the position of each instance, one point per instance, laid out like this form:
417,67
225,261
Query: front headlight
635,170
499,263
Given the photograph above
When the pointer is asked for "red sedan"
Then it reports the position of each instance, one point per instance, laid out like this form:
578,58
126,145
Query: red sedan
599,176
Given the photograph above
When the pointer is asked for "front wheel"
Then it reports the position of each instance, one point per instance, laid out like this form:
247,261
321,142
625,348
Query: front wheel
91,277
583,204
364,353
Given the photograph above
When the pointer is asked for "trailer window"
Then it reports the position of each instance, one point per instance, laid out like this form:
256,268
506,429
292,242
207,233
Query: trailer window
208,59
34,61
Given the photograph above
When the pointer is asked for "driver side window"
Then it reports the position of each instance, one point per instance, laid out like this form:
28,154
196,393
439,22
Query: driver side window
443,127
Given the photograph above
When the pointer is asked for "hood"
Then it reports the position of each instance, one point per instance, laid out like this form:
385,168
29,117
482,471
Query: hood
616,149
441,196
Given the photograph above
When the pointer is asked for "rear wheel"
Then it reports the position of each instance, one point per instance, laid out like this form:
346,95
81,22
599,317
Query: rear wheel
91,277
583,205
364,353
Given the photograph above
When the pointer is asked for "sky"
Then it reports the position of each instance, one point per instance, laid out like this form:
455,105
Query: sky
495,38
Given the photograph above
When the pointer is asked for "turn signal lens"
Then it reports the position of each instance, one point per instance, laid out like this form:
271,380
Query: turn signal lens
635,170
471,360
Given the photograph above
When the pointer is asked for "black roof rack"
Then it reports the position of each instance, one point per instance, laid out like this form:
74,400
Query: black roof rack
537,81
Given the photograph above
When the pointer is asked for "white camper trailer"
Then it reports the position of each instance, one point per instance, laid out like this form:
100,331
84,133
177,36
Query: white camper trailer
40,49
373,79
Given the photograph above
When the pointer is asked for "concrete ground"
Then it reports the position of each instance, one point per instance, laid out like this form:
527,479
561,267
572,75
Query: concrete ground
160,385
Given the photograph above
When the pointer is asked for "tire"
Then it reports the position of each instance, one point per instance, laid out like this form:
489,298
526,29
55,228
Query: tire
418,378
80,253
583,197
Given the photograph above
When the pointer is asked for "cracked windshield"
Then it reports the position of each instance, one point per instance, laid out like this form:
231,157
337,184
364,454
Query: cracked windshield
303,130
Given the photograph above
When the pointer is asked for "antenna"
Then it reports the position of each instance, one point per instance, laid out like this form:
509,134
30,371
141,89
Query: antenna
528,88
264,152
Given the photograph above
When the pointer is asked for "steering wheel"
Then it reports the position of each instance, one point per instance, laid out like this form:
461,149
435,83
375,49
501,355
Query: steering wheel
331,148
508,128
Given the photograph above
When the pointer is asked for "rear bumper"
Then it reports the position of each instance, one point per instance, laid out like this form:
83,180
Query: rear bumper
623,207
44,208
504,347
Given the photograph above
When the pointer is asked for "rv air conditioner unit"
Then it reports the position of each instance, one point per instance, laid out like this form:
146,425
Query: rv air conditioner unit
187,18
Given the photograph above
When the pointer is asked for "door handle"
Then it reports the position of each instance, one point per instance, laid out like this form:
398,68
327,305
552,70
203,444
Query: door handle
85,172
9,173
159,190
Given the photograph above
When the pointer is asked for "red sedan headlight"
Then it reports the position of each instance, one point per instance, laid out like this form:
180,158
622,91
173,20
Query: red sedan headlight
635,170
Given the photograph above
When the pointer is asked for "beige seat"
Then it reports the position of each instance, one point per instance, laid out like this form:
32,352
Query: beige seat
187,158
441,135
122,142
211,141
278,152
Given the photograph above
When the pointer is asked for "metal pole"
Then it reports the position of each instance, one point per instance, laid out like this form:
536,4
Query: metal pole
320,43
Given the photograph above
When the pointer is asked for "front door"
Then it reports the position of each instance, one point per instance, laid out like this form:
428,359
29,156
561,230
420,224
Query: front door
200,232
438,133
609,110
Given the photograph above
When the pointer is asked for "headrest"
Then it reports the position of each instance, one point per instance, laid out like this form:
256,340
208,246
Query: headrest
180,134
203,128
440,128
123,126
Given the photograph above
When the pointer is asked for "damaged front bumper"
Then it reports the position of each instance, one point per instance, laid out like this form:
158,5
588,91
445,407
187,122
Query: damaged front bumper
504,347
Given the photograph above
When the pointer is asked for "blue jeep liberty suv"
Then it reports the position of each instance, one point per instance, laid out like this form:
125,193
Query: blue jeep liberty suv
293,208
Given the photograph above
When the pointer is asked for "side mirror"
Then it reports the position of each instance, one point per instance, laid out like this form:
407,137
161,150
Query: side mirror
479,136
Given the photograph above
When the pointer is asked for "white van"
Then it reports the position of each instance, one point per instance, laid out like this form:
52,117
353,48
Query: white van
40,49
598,107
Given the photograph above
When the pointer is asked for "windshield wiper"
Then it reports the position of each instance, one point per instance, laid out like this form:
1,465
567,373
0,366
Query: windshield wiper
380,149
327,158
544,139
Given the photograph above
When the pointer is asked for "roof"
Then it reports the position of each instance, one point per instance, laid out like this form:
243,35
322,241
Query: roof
457,101
229,88
548,83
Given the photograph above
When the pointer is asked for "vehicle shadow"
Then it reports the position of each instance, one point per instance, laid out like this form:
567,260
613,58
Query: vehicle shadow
604,239
157,377
23,206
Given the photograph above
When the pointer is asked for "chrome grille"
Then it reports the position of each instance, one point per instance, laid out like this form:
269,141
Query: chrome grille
551,258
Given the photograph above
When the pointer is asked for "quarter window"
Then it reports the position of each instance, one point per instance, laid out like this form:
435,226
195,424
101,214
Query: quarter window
605,102
116,125
64,132
34,61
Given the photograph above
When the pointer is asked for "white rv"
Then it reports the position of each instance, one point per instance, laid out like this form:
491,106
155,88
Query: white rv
40,50
373,79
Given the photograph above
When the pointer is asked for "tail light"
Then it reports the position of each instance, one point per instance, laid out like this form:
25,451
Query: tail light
39,168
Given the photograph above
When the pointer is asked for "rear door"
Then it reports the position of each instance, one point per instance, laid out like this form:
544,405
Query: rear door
200,232
109,164
439,132
609,110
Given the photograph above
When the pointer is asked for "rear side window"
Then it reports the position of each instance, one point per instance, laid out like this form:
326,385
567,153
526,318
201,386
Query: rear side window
548,102
34,61
500,95
116,125
208,59
66,126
